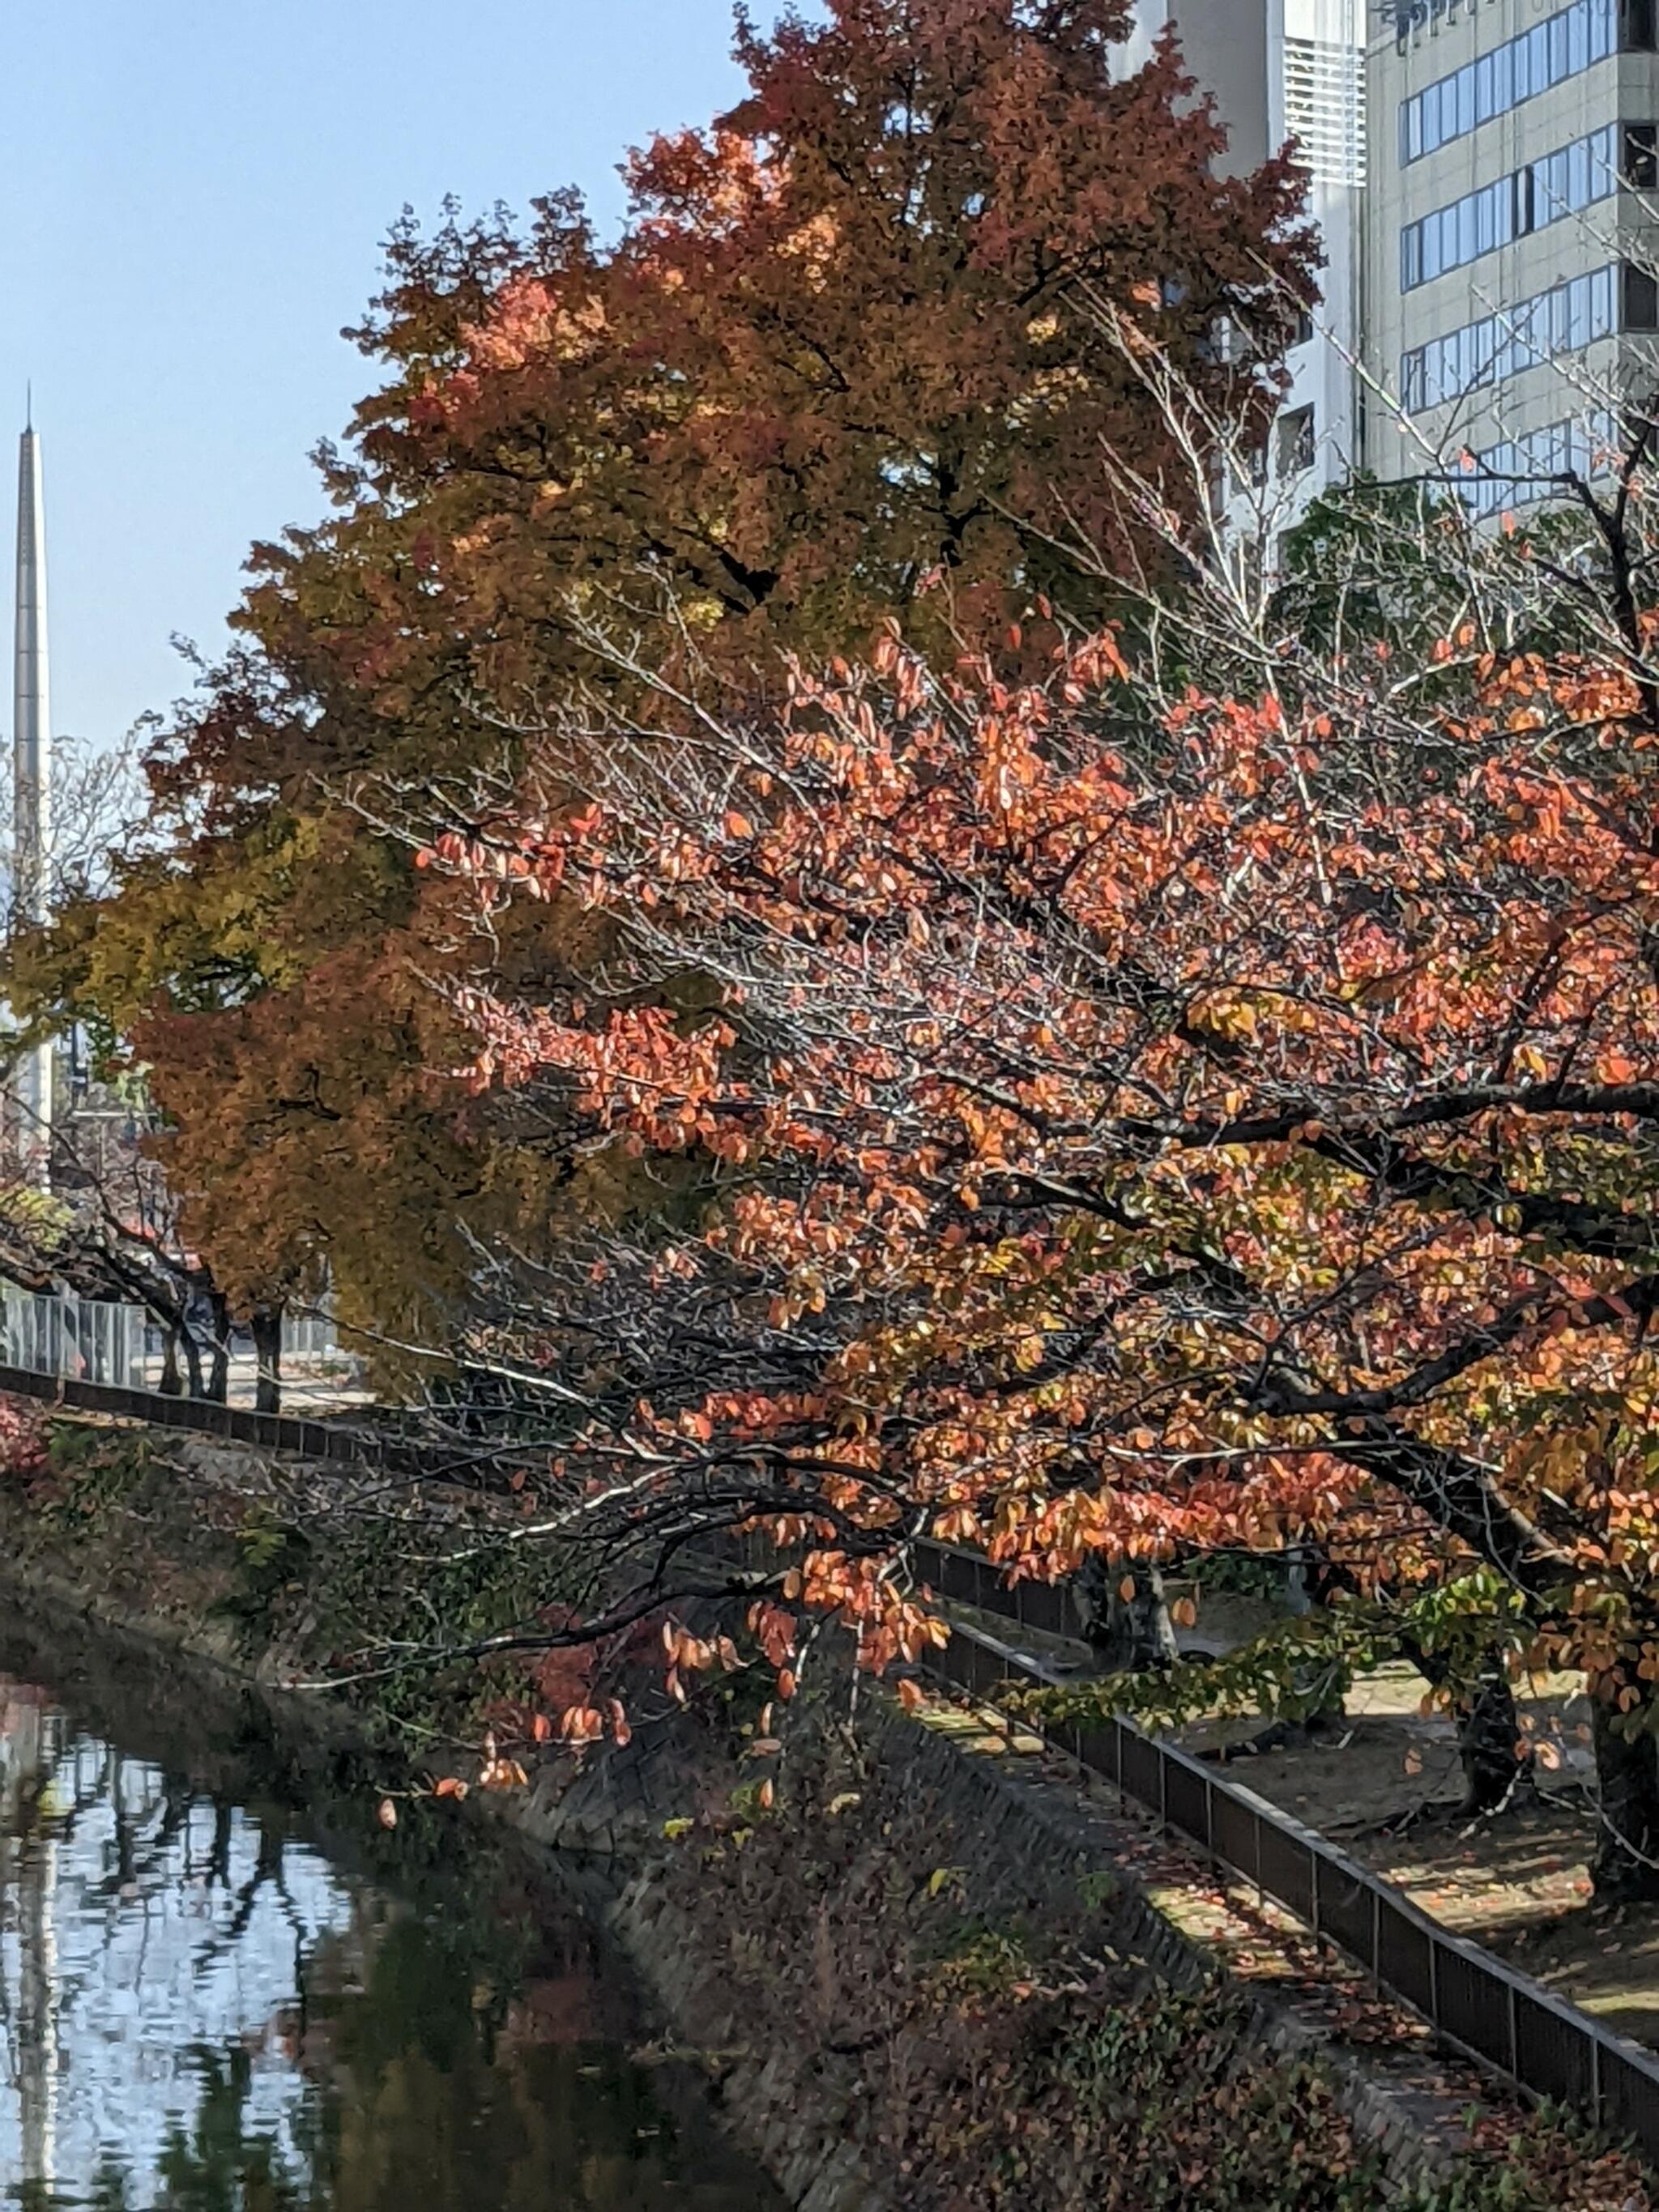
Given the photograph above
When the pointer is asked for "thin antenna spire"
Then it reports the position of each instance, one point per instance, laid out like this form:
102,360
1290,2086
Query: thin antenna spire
31,744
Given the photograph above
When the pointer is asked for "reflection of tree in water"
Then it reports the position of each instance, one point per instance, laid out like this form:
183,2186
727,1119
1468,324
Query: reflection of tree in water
439,2036
408,2114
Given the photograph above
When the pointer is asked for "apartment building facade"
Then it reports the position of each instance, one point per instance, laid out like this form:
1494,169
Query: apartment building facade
1284,72
1509,239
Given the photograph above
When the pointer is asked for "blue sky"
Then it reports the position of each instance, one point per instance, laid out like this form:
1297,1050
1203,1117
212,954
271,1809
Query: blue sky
195,194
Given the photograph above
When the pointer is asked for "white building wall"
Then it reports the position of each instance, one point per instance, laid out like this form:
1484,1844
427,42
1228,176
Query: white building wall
1289,73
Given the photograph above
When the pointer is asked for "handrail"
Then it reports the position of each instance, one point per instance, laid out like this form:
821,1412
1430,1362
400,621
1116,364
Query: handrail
1547,2046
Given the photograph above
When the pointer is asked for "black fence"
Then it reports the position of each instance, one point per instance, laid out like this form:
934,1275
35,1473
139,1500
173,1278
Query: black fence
319,1440
1549,2048
964,1578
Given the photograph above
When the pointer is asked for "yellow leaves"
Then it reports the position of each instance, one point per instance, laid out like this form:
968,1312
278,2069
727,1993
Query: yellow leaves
1378,990
1184,1613
911,1695
1225,1014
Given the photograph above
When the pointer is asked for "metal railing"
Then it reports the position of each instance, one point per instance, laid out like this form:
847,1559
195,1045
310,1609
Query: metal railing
311,1336
1547,2046
84,1339
321,1440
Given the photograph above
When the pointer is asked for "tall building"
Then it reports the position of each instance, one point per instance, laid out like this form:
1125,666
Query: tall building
1289,73
31,1082
1509,235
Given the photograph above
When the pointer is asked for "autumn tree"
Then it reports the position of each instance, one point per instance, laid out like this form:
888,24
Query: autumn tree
846,347
1137,1119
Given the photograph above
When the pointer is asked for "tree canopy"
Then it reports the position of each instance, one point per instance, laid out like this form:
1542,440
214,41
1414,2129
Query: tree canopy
1138,1121
845,362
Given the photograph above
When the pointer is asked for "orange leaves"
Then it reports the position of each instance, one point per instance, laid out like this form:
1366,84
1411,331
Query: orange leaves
498,1771
773,1630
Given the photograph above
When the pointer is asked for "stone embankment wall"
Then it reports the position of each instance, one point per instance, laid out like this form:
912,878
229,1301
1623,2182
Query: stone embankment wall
941,1972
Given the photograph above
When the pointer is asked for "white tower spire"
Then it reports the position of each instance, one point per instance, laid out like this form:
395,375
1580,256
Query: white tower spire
32,777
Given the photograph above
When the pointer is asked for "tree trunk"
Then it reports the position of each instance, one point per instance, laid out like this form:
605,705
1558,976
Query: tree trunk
1134,1634
1627,1862
193,1352
267,1326
219,1379
1488,1743
1488,1729
172,1385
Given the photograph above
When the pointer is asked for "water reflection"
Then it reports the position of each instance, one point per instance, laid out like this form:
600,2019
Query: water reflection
201,2009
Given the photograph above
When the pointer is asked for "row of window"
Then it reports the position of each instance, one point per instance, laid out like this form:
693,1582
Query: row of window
1489,351
1562,183
1518,70
1522,470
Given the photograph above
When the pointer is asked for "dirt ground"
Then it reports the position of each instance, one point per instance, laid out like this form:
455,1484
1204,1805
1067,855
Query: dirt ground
1518,1882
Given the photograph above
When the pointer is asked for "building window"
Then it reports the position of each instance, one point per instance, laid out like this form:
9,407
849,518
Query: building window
1303,330
1562,183
1641,302
1543,55
1642,156
1486,352
1637,26
1296,442
1521,471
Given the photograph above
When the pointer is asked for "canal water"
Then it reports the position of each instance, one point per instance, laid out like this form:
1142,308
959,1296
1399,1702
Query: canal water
225,1988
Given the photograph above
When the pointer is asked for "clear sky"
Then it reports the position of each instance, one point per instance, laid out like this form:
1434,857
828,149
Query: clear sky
194,196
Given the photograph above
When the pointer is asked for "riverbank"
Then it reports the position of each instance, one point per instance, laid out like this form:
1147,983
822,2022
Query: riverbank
226,1983
937,1970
